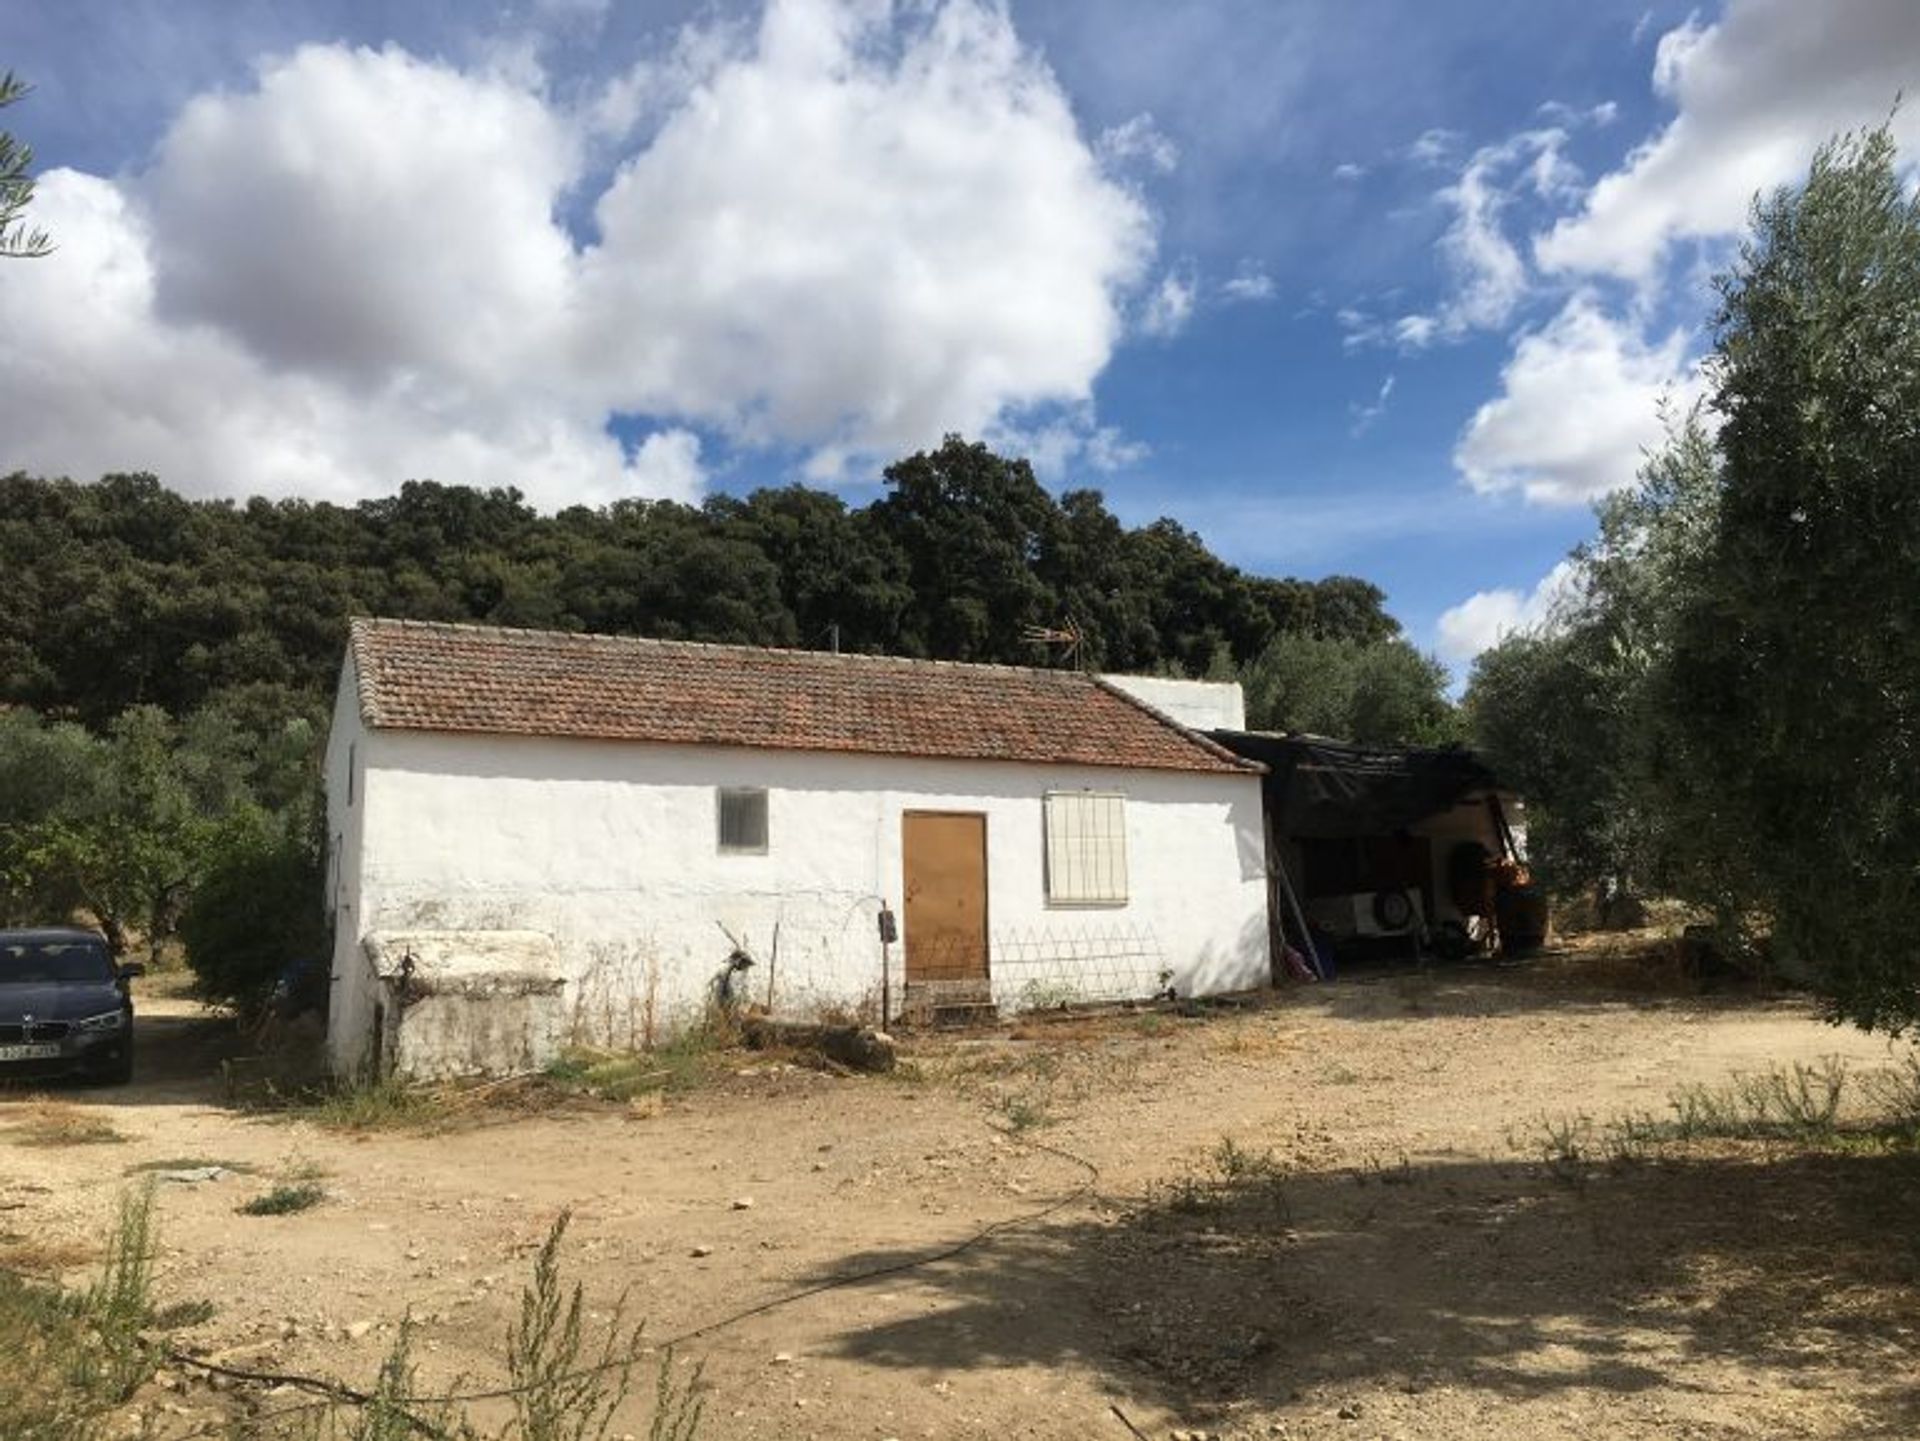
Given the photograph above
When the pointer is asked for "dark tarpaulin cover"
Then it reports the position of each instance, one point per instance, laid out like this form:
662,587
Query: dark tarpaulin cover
1320,787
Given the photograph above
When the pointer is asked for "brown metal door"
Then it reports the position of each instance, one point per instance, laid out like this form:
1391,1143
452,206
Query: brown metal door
945,884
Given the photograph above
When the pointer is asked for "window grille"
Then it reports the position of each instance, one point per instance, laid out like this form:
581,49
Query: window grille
1086,848
743,822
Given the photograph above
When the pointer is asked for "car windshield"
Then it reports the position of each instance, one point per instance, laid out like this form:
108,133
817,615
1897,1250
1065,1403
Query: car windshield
44,961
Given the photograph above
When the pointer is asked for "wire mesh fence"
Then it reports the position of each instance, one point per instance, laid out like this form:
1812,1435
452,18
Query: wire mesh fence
1035,968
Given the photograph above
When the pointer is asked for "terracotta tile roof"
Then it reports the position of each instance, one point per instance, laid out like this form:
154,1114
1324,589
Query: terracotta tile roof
416,675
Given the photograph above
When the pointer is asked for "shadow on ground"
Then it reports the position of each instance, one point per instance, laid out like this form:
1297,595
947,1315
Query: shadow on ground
177,1058
1378,991
1677,1276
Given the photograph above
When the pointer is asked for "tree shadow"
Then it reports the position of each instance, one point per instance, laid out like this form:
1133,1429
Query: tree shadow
1396,990
1228,1290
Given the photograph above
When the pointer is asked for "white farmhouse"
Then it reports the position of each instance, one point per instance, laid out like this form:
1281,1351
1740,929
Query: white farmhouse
539,836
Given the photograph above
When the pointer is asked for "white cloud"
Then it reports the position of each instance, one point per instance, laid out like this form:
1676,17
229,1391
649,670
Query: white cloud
1347,170
1140,139
862,227
1756,92
365,214
93,379
668,463
650,88
1415,331
1488,276
1074,437
1434,147
1488,617
1579,407
1170,306
1365,415
1561,113
1248,285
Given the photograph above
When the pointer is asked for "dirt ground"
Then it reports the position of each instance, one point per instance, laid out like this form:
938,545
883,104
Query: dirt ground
1409,1265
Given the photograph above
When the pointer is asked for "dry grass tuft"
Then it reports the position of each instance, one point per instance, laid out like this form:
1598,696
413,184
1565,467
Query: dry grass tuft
36,1256
38,1121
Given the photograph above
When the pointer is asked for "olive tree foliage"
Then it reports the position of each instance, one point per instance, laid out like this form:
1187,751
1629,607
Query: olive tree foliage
1729,711
1794,689
1380,692
1565,712
17,238
123,826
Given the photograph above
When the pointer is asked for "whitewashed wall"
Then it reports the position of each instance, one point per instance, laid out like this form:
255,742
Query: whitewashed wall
354,988
611,849
1208,705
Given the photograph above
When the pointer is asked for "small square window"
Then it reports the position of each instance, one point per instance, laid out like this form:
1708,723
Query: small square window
743,822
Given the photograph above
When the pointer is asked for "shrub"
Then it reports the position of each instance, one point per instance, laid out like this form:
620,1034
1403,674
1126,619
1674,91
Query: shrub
258,911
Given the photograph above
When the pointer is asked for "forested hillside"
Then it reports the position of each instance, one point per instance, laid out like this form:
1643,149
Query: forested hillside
122,593
166,664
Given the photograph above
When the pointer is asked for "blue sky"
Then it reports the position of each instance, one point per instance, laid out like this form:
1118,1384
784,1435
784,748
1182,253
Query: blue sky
1348,286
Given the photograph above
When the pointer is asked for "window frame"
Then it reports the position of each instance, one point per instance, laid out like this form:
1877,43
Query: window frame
1069,879
721,795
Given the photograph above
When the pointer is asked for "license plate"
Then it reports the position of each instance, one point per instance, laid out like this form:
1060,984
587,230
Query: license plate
28,1053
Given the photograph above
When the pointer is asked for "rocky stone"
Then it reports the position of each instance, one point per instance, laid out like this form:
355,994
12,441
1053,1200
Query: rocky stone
196,1175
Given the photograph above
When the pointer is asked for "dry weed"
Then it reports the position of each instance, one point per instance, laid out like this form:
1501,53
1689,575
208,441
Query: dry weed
41,1122
34,1256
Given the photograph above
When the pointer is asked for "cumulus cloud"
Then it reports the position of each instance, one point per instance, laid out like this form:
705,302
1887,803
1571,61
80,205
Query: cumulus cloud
1486,618
1579,407
852,230
363,213
1755,93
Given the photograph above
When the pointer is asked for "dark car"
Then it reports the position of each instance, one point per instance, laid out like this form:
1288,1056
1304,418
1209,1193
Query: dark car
64,1007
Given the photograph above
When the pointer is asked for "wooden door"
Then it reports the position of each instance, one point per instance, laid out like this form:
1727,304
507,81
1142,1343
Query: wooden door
944,860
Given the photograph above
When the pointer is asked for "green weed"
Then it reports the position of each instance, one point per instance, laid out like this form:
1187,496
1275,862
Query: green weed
1232,1180
563,1384
388,1104
72,1357
683,1063
284,1200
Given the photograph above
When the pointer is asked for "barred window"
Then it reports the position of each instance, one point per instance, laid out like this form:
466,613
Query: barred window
743,822
1086,848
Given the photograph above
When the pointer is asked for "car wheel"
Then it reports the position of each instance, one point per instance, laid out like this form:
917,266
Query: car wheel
121,1071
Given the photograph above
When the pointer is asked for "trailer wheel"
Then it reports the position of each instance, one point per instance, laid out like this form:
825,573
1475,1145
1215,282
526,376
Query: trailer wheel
1392,910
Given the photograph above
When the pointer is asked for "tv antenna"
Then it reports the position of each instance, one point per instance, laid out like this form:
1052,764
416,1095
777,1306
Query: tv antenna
1066,640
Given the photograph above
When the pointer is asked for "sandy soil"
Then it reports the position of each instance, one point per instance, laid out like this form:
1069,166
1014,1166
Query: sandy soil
1403,1269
